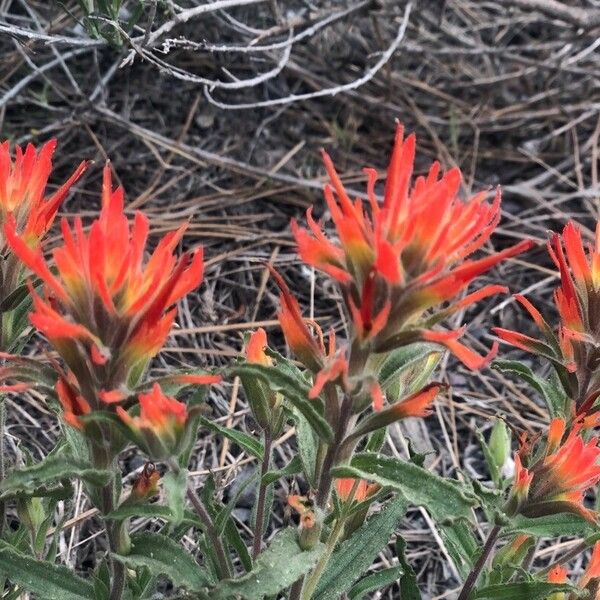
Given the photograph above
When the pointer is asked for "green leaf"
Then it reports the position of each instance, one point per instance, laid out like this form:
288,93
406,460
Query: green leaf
408,368
307,446
175,486
295,392
49,474
44,579
277,568
461,544
551,526
551,390
292,468
527,590
356,554
374,582
408,583
164,556
445,498
245,441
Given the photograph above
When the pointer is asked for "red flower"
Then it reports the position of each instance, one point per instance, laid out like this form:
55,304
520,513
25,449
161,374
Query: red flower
255,350
557,575
22,185
345,485
160,425
576,299
74,405
593,568
107,310
557,482
397,260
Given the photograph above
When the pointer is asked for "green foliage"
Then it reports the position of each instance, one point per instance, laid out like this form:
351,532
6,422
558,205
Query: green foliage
245,441
550,389
527,590
374,582
408,583
445,498
42,578
294,390
162,555
51,477
356,554
550,526
277,568
407,369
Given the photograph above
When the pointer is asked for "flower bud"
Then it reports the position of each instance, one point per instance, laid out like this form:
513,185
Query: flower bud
499,444
159,429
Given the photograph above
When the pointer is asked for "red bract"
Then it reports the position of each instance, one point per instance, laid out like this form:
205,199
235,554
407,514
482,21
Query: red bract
160,426
108,310
23,183
396,260
558,481
345,485
573,347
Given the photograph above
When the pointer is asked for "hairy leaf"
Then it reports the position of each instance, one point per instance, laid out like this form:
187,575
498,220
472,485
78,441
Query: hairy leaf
277,568
356,554
44,579
165,556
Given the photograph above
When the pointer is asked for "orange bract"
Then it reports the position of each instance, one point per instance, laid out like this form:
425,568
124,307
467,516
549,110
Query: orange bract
396,260
558,481
105,296
23,183
573,346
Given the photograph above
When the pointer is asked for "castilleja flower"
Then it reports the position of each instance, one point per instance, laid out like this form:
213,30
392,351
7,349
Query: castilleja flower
395,261
160,425
574,346
265,403
107,311
345,485
22,185
557,481
23,182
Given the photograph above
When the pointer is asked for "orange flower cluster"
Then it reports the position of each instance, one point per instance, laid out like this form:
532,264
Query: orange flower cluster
397,260
107,311
22,185
573,348
23,204
557,481
588,581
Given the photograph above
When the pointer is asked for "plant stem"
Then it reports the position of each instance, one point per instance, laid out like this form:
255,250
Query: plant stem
311,583
2,464
211,532
326,480
262,496
296,589
476,570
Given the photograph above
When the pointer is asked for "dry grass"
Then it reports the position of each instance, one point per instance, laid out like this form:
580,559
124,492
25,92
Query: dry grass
508,93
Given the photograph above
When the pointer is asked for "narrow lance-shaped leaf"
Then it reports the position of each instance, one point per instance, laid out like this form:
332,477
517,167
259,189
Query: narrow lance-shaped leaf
527,590
43,579
165,556
276,569
443,497
356,554
292,391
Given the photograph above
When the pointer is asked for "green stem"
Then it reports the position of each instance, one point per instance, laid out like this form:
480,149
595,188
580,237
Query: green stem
211,533
471,579
311,583
262,497
210,530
